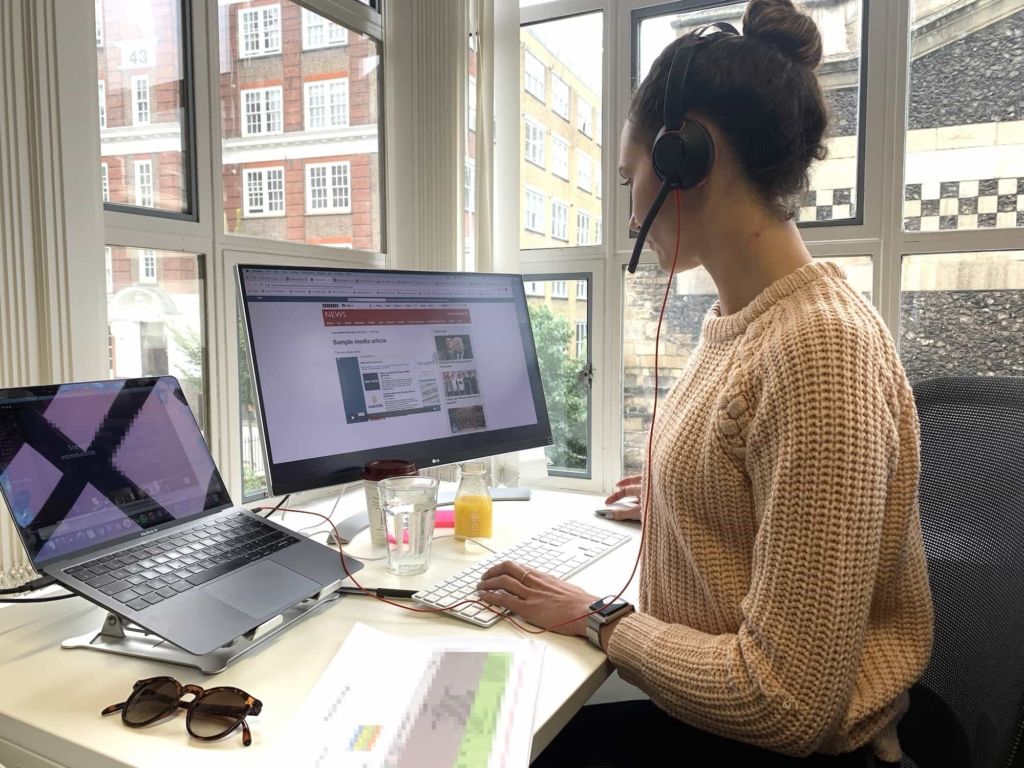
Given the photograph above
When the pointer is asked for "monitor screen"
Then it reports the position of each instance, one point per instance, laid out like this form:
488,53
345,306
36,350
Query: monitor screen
85,465
354,365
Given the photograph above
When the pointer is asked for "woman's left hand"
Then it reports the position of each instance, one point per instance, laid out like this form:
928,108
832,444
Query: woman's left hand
544,601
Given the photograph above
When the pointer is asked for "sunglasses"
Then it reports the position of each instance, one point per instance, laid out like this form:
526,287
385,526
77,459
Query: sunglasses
212,714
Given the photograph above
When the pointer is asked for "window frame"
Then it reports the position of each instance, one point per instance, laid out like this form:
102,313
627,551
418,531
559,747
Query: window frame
555,101
329,187
469,185
264,112
538,92
564,207
531,128
538,195
147,266
558,141
136,81
310,85
584,161
264,172
105,182
586,127
260,12
583,220
138,166
101,93
317,20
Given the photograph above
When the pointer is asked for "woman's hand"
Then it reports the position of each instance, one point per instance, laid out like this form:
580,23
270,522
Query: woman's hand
626,487
544,601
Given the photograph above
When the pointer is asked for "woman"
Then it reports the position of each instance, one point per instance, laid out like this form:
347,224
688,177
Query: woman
784,604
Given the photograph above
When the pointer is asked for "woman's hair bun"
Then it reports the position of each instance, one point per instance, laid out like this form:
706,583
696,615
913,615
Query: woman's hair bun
780,23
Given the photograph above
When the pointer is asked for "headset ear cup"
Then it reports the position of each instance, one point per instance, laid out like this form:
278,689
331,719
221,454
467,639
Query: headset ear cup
668,156
683,158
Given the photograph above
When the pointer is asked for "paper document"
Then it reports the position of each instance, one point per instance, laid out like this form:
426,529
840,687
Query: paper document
390,702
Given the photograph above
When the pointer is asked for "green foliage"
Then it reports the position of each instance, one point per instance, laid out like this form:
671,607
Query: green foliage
566,398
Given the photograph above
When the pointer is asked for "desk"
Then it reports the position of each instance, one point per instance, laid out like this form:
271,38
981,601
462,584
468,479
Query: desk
50,699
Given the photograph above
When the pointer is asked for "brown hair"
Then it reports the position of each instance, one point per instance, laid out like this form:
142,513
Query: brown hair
760,91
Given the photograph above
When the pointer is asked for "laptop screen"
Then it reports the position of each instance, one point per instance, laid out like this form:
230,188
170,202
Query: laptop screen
85,465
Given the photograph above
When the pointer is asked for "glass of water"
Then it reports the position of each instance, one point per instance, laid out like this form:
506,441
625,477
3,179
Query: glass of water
408,504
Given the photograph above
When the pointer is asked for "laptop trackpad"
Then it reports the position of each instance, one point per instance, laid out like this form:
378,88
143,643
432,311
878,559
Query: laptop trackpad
262,589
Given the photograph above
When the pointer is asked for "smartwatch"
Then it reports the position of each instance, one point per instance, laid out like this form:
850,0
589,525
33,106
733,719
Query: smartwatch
605,611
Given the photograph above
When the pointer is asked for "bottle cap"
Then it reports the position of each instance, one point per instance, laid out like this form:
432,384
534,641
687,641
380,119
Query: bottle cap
379,469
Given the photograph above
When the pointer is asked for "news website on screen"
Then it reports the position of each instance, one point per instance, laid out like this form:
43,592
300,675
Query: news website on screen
375,359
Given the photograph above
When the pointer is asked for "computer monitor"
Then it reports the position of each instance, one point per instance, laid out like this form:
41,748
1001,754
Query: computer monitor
352,365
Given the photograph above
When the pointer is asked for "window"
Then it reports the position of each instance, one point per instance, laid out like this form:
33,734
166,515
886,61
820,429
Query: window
105,182
145,107
99,24
834,182
140,100
328,188
534,288
584,117
581,290
560,221
259,31
534,211
262,108
582,170
559,96
147,266
582,228
264,192
597,231
308,111
103,103
559,289
961,314
534,142
318,32
581,335
144,183
108,268
469,186
958,168
560,157
533,75
471,99
326,104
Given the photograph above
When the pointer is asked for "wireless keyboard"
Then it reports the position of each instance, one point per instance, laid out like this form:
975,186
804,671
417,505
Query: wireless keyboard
560,551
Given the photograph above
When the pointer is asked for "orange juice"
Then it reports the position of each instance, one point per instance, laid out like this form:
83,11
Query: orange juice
473,516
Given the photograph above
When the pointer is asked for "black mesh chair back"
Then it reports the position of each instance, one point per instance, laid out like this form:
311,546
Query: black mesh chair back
972,515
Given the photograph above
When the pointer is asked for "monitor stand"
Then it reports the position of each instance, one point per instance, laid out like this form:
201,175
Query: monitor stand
118,635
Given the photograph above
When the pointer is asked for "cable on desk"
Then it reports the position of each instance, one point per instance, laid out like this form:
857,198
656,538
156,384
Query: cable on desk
30,586
38,599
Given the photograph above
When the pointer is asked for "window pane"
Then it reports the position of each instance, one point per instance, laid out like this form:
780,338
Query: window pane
155,319
558,313
833,189
962,314
560,102
139,53
299,94
965,127
254,473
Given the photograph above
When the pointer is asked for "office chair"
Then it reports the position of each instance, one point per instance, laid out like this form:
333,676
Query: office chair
966,711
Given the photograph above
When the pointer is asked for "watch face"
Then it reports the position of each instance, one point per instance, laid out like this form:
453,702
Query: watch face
607,606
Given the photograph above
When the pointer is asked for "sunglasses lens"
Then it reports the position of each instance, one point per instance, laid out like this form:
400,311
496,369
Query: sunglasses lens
152,701
216,713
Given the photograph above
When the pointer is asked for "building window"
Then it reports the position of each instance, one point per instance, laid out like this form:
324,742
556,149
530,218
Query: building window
560,157
262,110
264,191
560,221
108,263
581,290
259,31
533,75
99,24
534,211
326,104
534,288
103,103
581,334
471,99
140,100
597,231
147,266
583,170
144,183
582,228
318,32
559,289
584,117
105,181
469,186
534,142
328,188
559,96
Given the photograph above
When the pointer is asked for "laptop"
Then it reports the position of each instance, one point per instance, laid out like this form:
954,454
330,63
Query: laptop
116,496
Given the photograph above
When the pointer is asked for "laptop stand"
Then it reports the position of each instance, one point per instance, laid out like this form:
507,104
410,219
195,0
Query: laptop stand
118,635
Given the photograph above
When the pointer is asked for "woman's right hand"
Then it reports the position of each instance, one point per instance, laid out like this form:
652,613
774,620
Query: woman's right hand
626,487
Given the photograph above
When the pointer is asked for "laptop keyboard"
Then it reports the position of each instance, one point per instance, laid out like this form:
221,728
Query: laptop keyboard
155,570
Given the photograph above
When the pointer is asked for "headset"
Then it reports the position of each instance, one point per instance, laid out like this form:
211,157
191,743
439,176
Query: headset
683,151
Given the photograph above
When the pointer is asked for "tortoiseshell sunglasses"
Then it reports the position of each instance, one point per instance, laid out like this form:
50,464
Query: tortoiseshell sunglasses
212,714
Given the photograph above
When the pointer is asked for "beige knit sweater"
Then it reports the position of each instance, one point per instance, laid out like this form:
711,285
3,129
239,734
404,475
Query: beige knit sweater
784,600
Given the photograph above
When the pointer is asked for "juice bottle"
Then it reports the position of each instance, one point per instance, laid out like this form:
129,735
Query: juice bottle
473,513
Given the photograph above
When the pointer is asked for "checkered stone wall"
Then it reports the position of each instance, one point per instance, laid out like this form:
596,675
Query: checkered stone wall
828,204
949,205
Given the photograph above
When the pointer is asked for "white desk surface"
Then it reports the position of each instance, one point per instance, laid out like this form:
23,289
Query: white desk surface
50,698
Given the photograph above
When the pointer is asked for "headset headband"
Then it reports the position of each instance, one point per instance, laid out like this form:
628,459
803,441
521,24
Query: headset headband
675,103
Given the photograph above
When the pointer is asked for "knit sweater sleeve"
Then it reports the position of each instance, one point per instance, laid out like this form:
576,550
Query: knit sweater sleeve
819,452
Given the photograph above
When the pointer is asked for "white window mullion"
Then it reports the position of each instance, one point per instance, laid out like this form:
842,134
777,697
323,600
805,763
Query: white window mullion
140,100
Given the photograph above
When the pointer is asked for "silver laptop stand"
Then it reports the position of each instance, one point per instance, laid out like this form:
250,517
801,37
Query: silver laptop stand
119,635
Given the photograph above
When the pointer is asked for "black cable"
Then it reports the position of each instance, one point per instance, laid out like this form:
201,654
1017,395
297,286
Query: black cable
31,586
276,507
39,599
